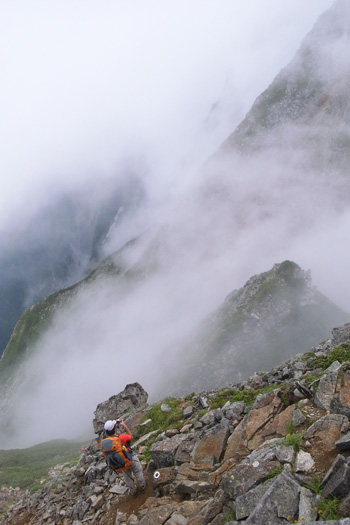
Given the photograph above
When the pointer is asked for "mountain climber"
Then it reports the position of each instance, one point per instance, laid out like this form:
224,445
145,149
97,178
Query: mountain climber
133,477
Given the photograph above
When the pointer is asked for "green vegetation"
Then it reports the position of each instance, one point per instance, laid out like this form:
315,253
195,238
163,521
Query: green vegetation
328,509
341,353
293,440
231,516
25,468
29,327
161,420
247,396
315,485
275,471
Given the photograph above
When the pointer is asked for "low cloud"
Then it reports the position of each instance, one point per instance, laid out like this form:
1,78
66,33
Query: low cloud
122,88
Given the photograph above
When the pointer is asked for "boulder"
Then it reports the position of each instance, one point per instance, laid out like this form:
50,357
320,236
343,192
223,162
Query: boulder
304,462
341,334
322,436
308,505
177,519
339,484
209,450
344,442
184,450
285,454
246,503
188,412
163,452
337,463
279,503
244,477
327,387
125,404
163,476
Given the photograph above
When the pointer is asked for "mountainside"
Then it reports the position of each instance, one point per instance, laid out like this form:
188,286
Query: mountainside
272,317
58,246
307,106
273,449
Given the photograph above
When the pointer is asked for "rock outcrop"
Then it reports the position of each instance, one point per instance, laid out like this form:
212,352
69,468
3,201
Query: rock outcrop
272,449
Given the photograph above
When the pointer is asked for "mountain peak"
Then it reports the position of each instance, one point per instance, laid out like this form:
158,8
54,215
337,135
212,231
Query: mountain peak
274,316
311,90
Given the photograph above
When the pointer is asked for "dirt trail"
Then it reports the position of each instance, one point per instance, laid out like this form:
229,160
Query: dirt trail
130,504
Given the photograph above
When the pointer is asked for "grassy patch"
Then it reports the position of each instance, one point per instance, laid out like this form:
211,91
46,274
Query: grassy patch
341,353
275,471
293,440
161,420
315,485
328,509
247,396
24,468
231,516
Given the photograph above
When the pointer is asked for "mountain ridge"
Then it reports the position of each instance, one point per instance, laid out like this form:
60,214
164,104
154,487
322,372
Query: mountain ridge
310,89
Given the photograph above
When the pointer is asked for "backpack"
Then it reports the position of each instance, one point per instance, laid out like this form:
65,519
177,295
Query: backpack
116,454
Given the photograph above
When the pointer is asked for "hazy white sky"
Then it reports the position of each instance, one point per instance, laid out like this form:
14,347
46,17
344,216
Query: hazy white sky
86,83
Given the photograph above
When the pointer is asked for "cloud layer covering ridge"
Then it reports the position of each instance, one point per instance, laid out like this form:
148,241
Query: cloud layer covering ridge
160,85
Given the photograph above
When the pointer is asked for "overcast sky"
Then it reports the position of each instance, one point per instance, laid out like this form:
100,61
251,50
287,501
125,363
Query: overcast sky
85,84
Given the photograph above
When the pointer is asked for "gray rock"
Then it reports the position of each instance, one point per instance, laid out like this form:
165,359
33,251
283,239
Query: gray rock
304,462
298,418
118,489
163,452
341,334
171,432
245,477
177,519
337,463
157,515
132,398
208,418
280,502
344,442
188,412
336,407
327,386
144,438
308,505
184,450
264,454
246,503
210,448
187,487
339,484
186,428
285,454
96,502
165,408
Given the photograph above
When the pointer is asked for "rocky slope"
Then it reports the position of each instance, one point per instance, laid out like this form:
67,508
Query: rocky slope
274,315
272,449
